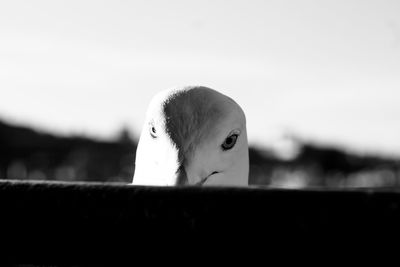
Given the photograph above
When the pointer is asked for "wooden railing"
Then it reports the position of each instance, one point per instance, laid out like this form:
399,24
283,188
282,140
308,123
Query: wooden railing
54,223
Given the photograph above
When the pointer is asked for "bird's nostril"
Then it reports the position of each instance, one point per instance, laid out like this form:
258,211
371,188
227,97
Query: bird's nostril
214,173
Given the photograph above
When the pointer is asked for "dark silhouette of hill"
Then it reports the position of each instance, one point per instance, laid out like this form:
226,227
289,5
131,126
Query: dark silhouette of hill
29,154
325,166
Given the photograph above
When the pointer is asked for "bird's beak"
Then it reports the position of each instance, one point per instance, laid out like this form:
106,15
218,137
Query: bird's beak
202,181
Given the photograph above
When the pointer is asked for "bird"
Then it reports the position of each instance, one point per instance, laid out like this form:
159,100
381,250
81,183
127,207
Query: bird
192,135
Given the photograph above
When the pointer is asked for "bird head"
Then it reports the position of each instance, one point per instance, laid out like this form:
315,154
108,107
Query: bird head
192,135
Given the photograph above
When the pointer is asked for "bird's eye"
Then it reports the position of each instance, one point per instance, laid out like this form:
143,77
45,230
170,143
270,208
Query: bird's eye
230,142
153,131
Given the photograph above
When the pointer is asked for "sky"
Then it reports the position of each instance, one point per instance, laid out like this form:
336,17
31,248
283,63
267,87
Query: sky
325,71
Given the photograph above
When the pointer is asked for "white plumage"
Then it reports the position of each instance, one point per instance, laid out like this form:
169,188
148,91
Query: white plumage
192,135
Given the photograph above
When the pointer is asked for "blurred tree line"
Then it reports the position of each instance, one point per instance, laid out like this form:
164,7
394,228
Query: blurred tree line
27,154
32,155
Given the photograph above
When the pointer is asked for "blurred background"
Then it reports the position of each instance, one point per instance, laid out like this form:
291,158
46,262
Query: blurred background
319,82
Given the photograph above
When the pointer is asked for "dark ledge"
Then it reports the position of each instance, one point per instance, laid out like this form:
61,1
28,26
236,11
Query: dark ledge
54,223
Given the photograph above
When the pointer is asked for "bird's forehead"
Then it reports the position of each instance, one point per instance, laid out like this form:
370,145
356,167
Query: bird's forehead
196,106
197,101
201,103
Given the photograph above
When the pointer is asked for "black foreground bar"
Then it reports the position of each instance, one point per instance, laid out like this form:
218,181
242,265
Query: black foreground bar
54,223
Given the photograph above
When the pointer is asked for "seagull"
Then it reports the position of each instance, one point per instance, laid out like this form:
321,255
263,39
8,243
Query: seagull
192,135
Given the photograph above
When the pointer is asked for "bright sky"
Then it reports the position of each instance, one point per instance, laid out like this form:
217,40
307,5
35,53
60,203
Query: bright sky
325,70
